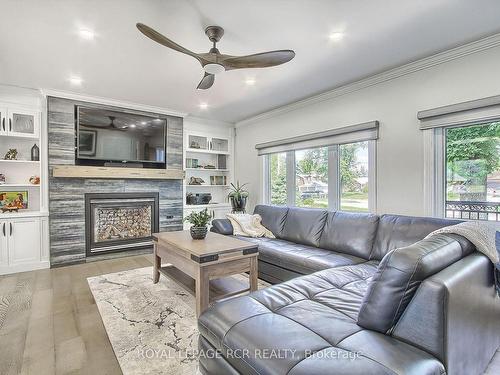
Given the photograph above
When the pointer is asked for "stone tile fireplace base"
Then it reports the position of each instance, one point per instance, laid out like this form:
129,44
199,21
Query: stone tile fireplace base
120,221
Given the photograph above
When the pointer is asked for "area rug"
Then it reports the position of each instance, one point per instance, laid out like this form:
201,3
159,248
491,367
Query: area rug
152,327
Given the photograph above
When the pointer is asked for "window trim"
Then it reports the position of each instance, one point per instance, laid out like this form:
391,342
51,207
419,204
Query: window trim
435,167
334,183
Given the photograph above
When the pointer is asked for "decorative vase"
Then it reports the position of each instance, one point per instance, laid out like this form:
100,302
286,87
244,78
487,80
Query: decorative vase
35,153
238,204
198,233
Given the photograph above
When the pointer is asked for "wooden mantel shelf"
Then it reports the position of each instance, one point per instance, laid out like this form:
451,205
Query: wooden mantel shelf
81,171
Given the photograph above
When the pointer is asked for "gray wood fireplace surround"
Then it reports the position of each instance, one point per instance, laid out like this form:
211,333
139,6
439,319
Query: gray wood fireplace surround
67,195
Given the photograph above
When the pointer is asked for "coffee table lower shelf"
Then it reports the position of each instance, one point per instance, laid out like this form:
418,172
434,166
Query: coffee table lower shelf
215,257
219,289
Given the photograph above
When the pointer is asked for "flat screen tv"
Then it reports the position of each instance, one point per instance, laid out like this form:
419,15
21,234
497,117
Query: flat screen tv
115,138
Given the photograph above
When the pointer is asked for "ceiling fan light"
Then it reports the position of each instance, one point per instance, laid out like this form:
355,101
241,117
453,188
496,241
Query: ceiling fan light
214,68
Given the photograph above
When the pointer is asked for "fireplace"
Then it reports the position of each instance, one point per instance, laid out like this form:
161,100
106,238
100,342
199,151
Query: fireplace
120,221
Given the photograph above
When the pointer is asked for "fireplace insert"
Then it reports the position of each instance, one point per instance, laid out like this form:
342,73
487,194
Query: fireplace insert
120,221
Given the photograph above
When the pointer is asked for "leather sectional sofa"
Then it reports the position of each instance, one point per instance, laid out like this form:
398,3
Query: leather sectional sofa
356,294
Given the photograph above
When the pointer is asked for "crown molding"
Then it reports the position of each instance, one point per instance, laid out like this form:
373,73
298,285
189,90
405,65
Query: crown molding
111,102
422,64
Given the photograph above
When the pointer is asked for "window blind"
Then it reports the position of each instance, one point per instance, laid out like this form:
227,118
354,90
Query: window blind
348,134
474,111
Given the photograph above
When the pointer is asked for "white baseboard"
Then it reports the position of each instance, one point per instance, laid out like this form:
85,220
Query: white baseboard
6,270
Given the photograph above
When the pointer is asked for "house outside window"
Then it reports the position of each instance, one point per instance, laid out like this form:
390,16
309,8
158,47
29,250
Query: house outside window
336,177
311,178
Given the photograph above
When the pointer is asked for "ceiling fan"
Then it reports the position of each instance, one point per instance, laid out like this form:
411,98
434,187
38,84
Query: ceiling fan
111,125
215,62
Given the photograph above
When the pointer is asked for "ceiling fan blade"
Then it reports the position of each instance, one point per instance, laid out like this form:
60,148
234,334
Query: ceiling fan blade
258,60
206,82
163,40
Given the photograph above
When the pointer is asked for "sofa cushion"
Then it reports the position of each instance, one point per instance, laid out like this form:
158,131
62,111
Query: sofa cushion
400,274
273,217
304,225
293,316
398,231
350,233
299,258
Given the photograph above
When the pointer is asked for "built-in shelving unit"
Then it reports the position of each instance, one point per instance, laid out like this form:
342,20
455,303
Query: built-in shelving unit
212,147
18,161
206,185
24,234
207,170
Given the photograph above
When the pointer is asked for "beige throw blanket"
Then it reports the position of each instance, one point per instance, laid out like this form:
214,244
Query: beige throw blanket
249,225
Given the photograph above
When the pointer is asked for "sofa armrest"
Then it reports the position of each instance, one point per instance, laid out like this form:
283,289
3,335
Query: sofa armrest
455,315
222,226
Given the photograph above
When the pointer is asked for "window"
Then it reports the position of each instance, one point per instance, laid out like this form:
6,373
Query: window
472,160
354,177
333,177
277,179
311,178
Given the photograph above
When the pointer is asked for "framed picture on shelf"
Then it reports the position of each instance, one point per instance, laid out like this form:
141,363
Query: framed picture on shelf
218,180
13,200
87,142
191,163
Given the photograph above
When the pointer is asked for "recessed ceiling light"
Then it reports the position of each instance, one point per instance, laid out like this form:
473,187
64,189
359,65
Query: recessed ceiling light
250,81
203,105
86,34
336,36
132,125
77,81
143,123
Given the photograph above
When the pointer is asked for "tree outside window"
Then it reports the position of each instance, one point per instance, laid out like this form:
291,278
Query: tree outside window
354,177
473,172
277,165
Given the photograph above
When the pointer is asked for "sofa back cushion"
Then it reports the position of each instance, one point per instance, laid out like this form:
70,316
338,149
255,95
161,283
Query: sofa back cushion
349,233
304,225
396,231
273,217
400,273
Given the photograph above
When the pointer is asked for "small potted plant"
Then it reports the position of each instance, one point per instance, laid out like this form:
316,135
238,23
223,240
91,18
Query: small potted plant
199,221
238,197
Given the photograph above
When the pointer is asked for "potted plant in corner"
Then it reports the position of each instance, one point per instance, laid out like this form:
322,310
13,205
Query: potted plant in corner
199,221
238,197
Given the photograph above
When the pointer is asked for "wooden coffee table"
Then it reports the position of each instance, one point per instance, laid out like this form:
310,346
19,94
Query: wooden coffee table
214,257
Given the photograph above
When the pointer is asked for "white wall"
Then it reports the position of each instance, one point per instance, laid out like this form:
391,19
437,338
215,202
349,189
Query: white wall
395,104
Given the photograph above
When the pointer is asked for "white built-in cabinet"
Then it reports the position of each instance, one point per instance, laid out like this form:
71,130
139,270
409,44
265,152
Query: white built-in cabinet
24,237
22,246
208,154
19,122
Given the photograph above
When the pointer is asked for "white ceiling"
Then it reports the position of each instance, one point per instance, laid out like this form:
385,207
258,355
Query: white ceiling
40,46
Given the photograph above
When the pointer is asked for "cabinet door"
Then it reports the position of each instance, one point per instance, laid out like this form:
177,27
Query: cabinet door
4,252
24,240
219,144
198,142
3,121
23,123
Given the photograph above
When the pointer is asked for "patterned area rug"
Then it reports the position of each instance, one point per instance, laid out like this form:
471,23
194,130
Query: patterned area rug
152,327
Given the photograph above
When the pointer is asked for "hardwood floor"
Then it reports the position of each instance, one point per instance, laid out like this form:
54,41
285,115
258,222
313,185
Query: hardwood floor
51,325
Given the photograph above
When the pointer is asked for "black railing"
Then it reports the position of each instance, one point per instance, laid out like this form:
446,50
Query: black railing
471,210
